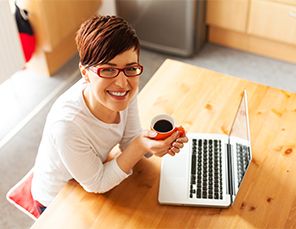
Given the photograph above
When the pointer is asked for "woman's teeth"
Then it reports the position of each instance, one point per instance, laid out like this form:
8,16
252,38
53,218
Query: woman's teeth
116,93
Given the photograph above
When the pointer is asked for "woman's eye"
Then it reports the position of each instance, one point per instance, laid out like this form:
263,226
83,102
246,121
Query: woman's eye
108,70
132,69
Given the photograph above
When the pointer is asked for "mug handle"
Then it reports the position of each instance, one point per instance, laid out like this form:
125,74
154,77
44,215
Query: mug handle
181,131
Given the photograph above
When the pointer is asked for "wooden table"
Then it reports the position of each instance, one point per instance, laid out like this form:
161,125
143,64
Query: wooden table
202,101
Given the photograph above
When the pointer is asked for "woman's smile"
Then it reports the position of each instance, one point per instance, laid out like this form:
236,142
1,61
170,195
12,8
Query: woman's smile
118,94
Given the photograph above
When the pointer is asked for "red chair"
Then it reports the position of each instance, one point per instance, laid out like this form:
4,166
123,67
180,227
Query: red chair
21,197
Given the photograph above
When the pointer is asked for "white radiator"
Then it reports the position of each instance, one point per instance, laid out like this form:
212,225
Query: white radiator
11,53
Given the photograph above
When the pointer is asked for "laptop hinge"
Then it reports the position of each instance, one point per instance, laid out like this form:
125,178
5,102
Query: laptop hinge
229,168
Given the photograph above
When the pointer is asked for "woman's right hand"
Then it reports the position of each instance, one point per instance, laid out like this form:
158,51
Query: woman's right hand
145,143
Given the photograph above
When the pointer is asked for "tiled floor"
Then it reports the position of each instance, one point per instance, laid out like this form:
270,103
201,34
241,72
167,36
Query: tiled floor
233,62
25,92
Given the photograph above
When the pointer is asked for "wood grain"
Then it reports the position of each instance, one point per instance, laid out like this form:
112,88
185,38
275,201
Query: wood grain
202,101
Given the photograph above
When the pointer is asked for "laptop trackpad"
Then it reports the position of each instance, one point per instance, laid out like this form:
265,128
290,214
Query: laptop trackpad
176,166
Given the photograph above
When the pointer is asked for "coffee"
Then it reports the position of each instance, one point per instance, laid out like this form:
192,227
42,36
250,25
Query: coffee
163,125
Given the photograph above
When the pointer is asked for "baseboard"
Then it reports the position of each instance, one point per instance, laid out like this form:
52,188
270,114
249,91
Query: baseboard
253,44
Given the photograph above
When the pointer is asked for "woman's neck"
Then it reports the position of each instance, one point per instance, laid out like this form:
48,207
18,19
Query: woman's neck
98,110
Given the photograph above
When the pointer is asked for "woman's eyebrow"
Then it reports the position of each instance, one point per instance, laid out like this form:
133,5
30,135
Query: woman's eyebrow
131,63
112,64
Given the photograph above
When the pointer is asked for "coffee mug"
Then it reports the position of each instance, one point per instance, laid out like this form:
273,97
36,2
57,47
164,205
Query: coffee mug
164,126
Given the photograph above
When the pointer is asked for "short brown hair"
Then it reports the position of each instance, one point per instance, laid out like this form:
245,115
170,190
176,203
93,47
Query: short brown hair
101,38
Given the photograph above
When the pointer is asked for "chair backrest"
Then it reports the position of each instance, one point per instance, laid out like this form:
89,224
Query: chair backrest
21,197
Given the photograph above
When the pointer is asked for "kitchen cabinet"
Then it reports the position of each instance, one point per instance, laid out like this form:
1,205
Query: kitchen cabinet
264,27
228,14
273,20
55,24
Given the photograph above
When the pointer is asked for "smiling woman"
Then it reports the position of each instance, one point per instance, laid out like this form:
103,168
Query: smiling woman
112,91
98,113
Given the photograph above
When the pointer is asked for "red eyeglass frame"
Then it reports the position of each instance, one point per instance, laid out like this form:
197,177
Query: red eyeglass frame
119,70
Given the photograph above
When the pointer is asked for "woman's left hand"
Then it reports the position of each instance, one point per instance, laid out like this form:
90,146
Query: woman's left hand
177,145
170,145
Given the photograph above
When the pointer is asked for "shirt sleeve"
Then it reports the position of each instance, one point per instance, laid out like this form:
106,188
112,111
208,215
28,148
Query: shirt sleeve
82,162
133,126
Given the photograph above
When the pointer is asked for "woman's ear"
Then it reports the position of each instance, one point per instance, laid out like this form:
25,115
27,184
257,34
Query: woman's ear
84,72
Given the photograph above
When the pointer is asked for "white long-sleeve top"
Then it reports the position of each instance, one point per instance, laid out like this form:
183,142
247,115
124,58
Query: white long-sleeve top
75,144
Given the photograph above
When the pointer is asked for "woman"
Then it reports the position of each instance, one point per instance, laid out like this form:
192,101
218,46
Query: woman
96,114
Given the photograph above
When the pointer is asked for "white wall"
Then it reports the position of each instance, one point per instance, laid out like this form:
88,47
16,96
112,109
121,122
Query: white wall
108,8
11,54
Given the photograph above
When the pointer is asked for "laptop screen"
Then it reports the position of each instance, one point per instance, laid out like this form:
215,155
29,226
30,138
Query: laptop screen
243,155
240,126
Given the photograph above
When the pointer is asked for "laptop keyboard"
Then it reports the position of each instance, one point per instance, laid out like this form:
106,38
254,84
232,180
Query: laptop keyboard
243,160
206,169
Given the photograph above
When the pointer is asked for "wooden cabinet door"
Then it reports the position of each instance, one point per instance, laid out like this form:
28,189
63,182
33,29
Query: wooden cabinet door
228,14
53,21
273,20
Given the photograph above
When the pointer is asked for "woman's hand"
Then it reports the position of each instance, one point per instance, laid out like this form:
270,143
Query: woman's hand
170,145
145,143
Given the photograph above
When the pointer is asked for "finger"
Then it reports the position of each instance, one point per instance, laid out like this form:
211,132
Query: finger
171,138
175,150
149,133
170,152
162,154
177,145
182,139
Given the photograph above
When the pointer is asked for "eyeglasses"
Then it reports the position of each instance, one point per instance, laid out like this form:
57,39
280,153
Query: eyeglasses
111,72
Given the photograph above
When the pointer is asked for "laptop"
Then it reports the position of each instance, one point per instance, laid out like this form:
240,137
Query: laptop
209,169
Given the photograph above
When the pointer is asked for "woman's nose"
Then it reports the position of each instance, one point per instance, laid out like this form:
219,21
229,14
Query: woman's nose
121,80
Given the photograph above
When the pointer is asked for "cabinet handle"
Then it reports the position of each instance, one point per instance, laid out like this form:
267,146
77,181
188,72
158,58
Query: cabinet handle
292,13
